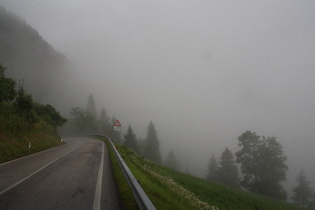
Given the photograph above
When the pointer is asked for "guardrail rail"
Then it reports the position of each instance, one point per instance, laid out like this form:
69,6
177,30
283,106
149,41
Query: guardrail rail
141,197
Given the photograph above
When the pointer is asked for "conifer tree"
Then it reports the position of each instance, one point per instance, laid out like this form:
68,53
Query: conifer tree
302,193
103,122
311,205
91,108
212,174
152,145
130,140
228,172
171,161
91,115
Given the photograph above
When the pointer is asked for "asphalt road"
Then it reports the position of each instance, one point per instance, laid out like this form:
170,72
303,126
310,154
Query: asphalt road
76,175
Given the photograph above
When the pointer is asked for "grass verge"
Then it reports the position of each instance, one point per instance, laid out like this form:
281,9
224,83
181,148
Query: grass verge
125,193
13,146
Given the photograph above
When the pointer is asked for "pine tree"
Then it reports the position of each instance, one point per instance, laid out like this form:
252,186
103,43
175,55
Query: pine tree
171,161
303,192
84,121
131,140
228,172
91,116
152,145
311,205
91,108
212,174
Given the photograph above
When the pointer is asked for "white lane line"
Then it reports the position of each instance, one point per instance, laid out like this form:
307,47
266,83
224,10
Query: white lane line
25,178
98,188
33,154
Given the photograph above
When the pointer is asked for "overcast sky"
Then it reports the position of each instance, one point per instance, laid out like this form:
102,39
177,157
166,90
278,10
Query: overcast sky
203,71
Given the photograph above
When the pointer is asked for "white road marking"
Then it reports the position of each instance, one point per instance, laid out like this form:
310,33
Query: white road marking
25,178
33,154
98,188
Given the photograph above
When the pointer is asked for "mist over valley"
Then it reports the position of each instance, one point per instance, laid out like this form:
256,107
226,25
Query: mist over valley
202,72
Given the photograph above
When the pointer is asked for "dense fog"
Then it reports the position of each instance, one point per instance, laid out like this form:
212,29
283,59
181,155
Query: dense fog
203,71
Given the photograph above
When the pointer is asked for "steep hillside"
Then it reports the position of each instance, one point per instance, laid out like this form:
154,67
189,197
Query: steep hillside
30,58
169,189
26,126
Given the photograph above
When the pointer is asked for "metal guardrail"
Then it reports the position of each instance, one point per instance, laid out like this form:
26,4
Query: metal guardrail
141,197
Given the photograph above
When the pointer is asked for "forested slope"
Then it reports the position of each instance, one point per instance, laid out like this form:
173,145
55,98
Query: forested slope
26,126
29,58
34,80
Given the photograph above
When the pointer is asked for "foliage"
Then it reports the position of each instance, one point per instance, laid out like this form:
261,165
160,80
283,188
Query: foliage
228,172
7,90
24,105
151,148
131,140
311,205
22,121
18,110
83,121
49,114
91,108
225,172
263,165
170,189
15,145
103,122
79,119
302,193
172,162
88,122
213,167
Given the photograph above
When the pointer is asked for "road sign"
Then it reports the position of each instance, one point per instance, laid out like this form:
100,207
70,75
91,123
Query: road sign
117,123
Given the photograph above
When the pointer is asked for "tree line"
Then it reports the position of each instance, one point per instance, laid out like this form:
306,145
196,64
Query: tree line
261,159
263,169
89,121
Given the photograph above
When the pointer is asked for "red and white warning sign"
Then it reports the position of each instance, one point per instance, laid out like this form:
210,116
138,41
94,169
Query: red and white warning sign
117,123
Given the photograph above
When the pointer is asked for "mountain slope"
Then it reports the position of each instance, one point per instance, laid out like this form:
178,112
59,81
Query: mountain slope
169,189
30,58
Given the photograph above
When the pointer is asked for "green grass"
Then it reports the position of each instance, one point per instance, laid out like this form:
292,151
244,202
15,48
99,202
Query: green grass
16,131
15,145
169,189
125,192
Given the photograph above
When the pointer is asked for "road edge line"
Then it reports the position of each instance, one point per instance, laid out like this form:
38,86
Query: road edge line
32,174
30,155
98,188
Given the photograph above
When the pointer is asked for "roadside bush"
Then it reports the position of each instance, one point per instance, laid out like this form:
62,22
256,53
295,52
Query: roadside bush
18,110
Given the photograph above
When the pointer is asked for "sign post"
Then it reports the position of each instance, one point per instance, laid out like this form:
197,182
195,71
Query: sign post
117,126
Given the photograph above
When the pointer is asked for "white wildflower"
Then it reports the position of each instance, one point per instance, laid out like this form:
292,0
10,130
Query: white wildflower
175,187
